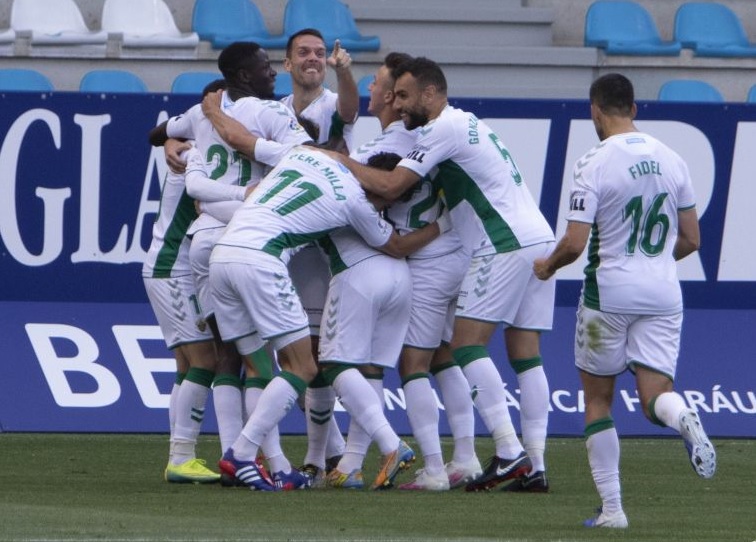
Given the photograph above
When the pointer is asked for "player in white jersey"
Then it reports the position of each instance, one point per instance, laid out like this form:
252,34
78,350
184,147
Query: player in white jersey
333,115
633,197
250,79
305,197
502,227
170,288
437,271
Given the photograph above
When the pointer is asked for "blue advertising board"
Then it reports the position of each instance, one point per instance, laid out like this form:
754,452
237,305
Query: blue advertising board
79,189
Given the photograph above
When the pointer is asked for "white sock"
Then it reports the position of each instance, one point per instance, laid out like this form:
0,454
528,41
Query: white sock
319,414
172,417
668,407
271,444
490,400
359,399
534,414
604,456
358,441
422,411
336,443
227,401
190,411
458,405
275,401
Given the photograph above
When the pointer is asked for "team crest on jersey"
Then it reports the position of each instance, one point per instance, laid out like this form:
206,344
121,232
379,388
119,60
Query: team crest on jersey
294,126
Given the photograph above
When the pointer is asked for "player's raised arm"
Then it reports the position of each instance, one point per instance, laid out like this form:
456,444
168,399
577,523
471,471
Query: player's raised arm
348,104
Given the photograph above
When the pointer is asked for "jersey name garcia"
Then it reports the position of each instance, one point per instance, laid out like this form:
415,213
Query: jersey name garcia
491,207
630,188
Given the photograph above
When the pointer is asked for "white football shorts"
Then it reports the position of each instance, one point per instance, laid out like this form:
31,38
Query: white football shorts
174,301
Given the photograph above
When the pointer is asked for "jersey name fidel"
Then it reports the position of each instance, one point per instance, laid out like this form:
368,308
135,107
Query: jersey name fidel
491,207
630,188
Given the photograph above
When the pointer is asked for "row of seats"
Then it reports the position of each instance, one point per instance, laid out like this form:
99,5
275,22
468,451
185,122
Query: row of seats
122,81
625,27
149,23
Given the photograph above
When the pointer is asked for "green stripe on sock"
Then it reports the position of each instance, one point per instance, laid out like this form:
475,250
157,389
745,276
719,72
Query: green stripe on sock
180,378
297,383
652,412
414,376
203,377
467,354
262,363
599,425
522,365
333,371
442,367
227,380
256,382
319,381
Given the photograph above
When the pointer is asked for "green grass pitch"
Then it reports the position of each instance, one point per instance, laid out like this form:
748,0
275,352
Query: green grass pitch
103,487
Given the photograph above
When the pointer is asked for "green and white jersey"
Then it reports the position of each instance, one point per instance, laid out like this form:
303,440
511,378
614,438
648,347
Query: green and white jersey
345,247
491,207
307,196
323,112
263,118
423,205
630,188
168,255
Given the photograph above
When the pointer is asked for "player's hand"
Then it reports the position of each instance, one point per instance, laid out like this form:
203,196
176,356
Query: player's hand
542,269
339,59
173,149
211,103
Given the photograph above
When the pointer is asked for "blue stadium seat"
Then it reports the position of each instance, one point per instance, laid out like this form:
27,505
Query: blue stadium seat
751,95
712,30
24,80
193,82
625,28
222,22
689,90
115,81
363,85
334,20
283,84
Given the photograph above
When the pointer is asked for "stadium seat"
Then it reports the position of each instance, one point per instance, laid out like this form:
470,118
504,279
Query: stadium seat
363,85
689,90
222,22
751,95
334,20
193,82
712,30
115,81
144,23
53,22
24,80
625,28
283,84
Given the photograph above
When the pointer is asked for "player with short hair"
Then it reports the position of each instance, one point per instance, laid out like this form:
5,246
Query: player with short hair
306,196
250,80
633,197
498,221
334,115
170,289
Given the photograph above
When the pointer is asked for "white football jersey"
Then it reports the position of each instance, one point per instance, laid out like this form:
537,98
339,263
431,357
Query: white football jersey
168,255
263,118
307,196
630,188
322,111
491,207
